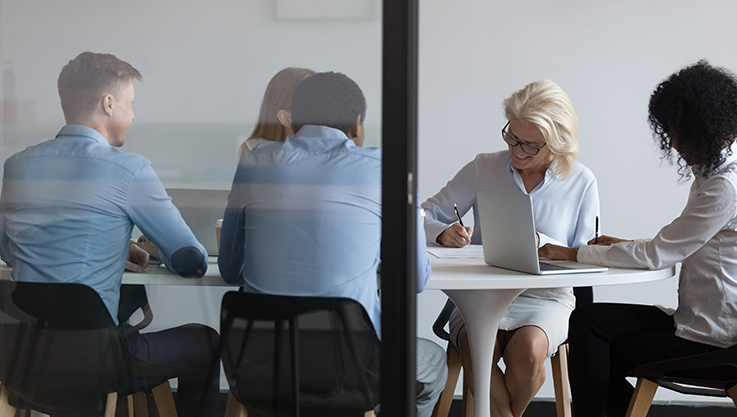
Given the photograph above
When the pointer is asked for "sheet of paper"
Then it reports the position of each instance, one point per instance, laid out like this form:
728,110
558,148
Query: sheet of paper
468,252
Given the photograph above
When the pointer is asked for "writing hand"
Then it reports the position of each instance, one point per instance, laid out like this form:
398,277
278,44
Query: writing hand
556,252
137,258
606,241
456,236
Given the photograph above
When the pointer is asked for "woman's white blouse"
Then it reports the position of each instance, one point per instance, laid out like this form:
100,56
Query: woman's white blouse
704,239
565,211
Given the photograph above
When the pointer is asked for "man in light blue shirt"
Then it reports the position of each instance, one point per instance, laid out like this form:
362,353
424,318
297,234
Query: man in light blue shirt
304,215
68,207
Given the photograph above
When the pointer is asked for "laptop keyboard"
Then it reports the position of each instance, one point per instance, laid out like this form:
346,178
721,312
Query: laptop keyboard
553,267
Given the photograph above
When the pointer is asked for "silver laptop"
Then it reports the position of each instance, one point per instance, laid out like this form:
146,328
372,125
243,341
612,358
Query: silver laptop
200,209
508,233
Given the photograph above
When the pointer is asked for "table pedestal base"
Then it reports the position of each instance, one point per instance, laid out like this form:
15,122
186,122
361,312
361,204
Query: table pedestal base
482,311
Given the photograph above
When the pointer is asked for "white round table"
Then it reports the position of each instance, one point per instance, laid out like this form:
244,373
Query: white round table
482,293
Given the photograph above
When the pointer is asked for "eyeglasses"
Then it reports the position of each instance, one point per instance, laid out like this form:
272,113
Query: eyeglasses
513,141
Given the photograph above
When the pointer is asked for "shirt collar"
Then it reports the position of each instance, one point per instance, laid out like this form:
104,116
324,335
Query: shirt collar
79,130
728,159
312,131
513,170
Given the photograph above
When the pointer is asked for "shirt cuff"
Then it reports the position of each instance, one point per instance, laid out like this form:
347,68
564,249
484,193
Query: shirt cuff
592,254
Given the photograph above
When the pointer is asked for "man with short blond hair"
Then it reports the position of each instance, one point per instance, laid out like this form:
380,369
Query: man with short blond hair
68,207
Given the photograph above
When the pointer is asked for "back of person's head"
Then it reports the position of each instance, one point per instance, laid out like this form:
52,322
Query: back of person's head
328,99
87,78
697,109
546,106
278,96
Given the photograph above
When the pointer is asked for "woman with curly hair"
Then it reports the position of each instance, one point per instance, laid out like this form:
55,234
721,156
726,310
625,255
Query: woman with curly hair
693,112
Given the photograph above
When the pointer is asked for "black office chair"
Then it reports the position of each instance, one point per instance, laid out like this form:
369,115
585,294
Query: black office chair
559,365
330,366
711,374
62,354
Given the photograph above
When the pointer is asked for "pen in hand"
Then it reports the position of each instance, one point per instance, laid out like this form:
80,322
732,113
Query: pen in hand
596,230
458,216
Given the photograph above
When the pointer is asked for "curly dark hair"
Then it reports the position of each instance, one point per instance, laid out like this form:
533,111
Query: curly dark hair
694,111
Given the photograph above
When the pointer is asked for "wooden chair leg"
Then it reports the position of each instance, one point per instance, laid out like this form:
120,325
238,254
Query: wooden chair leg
112,402
733,394
642,398
139,402
559,364
6,410
235,408
126,406
164,400
467,408
442,407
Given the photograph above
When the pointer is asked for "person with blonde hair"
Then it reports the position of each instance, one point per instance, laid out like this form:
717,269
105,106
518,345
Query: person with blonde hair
275,116
542,138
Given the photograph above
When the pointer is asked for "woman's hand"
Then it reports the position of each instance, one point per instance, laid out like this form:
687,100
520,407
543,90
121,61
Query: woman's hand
607,240
556,252
456,236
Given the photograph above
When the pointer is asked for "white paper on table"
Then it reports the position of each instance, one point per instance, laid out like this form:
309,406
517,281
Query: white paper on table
468,252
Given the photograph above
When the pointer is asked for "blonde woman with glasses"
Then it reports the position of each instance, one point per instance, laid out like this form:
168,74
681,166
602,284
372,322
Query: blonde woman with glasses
541,134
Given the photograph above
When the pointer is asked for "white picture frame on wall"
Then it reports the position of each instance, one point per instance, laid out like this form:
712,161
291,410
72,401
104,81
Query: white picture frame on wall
324,9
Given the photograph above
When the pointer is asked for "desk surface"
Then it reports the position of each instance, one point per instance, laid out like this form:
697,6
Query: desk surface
447,274
469,274
159,275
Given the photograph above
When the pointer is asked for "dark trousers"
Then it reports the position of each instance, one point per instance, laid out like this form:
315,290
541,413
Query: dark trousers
609,340
193,346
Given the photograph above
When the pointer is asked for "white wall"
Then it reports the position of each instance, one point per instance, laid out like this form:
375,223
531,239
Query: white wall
608,56
206,64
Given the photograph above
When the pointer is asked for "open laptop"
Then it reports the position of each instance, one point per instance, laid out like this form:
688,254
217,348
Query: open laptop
508,232
200,209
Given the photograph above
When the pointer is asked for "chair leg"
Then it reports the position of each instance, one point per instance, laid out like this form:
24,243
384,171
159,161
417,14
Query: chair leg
467,409
164,400
112,402
126,407
139,402
642,398
442,407
369,414
234,408
559,364
733,394
6,410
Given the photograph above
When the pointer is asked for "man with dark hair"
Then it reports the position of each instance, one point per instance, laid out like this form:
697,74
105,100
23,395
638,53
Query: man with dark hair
68,207
304,215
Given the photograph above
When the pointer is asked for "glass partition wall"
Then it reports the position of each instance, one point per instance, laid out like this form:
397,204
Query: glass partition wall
205,67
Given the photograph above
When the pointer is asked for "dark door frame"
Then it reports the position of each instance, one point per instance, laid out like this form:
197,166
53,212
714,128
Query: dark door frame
399,216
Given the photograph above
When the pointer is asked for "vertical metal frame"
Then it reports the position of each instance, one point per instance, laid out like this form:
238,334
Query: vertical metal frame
399,229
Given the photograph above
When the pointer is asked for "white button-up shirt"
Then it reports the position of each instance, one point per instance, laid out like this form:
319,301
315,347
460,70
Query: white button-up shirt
704,239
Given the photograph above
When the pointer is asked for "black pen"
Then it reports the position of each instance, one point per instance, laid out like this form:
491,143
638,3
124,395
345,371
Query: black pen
458,216
596,231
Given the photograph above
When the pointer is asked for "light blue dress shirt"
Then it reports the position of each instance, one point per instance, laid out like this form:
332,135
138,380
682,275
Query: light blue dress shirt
304,218
565,210
68,208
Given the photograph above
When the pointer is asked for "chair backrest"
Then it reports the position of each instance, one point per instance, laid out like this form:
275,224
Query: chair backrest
584,295
324,348
132,298
61,352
